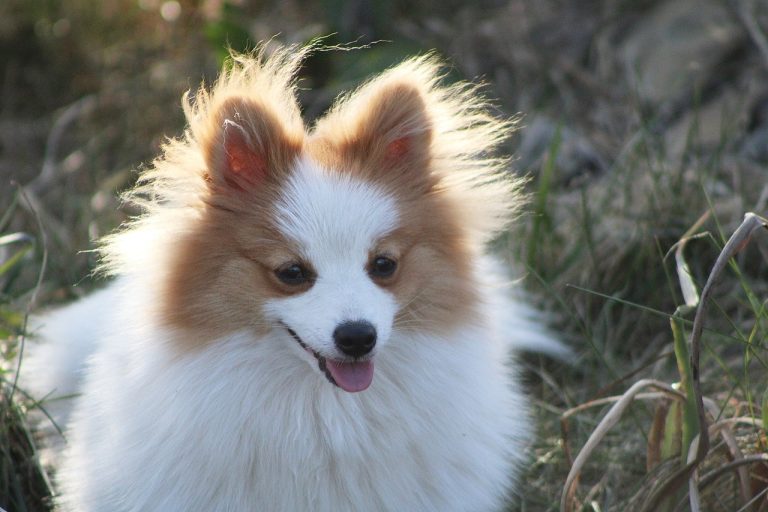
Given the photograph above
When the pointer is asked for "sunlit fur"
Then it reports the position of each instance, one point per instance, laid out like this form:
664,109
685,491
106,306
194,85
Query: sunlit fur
195,393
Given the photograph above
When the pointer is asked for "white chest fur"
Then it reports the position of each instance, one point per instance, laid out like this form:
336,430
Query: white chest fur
246,425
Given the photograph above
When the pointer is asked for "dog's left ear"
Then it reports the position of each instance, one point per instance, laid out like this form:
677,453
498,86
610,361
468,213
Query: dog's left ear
384,131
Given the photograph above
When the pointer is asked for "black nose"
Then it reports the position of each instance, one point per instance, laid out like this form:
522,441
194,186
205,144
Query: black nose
355,338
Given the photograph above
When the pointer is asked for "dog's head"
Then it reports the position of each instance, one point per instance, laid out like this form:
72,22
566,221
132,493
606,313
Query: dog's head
333,238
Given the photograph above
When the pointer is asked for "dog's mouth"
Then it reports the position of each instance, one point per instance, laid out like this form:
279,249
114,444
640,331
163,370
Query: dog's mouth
351,376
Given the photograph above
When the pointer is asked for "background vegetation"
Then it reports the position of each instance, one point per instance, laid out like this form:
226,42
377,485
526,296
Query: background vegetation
645,122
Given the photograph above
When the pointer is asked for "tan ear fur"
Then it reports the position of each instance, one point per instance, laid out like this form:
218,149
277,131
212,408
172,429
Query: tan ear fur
463,138
245,145
384,133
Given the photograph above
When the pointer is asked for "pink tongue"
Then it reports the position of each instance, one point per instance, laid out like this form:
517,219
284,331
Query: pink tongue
351,377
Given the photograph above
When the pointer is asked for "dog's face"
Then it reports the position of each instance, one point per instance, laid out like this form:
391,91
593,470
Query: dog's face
332,239
336,271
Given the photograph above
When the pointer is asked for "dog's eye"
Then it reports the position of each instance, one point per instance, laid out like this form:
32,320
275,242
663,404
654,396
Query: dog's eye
381,267
293,274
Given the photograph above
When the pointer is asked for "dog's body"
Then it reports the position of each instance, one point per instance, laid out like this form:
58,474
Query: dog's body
301,321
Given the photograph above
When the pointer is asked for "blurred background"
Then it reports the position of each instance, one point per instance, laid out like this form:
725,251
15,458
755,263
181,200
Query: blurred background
642,121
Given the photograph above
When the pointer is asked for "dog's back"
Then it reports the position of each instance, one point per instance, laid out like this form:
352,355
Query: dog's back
58,348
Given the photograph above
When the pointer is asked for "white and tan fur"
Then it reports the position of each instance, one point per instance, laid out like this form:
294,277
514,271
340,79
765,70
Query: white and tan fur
193,393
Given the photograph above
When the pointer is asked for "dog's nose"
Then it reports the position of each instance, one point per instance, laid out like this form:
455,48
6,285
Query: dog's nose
355,338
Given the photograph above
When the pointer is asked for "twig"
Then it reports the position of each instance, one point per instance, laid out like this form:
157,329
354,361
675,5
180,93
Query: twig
603,401
746,460
723,427
613,399
737,454
738,241
747,17
745,420
609,420
33,298
754,500
34,206
71,114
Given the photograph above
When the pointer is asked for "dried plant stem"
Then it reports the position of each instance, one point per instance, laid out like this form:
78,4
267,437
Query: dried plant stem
33,299
604,401
609,420
70,114
713,475
746,14
700,444
738,241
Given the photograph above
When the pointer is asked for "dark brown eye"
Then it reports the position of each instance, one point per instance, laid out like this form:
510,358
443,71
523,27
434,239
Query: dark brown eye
382,267
293,274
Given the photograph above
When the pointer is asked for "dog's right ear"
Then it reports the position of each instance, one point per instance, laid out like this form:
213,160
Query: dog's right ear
246,145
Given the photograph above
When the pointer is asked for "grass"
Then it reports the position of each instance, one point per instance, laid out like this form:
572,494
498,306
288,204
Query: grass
603,266
24,484
686,430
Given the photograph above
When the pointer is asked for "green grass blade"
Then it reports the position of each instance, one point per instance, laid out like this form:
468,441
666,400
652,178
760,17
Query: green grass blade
13,260
690,424
541,217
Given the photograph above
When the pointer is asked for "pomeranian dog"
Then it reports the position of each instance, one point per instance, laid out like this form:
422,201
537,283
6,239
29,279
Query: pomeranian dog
302,319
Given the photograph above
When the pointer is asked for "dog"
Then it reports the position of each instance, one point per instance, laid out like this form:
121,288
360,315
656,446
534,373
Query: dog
301,319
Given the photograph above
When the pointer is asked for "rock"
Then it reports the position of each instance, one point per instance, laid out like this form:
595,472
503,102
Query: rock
577,159
678,47
707,126
755,143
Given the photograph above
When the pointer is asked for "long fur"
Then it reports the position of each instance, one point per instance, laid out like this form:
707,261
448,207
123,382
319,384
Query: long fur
208,383
464,147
